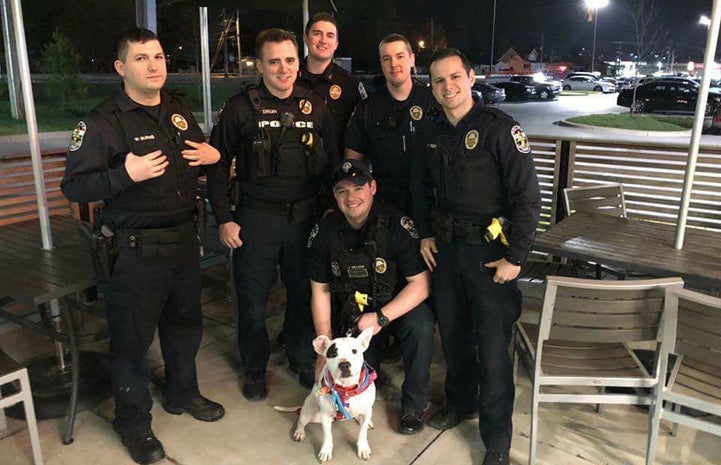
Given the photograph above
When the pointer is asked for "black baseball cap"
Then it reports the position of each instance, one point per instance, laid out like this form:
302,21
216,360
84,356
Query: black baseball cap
352,170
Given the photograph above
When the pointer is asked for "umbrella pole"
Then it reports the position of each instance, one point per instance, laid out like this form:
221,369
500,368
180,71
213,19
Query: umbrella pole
708,61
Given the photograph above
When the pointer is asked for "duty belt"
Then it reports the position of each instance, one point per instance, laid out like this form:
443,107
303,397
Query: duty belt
299,210
159,242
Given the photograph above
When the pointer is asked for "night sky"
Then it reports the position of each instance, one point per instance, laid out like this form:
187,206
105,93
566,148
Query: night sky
560,26
565,28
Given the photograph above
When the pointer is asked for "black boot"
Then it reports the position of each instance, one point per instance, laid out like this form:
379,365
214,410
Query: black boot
254,387
494,458
199,407
144,448
447,417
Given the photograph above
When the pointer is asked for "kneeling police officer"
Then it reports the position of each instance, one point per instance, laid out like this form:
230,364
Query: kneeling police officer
366,271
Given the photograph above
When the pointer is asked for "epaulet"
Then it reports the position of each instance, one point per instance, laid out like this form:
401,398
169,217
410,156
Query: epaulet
495,112
106,107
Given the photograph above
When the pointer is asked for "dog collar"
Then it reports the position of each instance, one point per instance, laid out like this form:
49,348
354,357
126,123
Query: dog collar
341,394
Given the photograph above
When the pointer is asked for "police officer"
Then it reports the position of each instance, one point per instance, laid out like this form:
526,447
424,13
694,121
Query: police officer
476,165
340,90
372,248
281,141
383,127
140,153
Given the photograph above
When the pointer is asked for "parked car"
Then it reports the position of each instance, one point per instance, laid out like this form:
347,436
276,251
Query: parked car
545,90
516,90
489,94
673,96
624,83
595,74
588,83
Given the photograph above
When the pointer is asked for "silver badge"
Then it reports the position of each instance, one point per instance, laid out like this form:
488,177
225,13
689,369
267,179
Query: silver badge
335,269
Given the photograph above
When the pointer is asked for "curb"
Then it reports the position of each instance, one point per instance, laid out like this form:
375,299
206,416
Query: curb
629,132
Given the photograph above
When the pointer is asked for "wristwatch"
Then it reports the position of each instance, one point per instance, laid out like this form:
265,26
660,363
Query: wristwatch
383,320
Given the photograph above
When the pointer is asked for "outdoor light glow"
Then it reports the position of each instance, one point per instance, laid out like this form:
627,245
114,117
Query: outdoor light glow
704,20
594,4
421,44
690,66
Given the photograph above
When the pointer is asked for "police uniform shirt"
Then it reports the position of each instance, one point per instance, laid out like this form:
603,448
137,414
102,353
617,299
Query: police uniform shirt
384,130
239,123
403,244
340,90
480,168
95,167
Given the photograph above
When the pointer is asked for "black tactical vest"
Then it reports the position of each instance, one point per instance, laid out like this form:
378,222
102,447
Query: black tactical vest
286,149
367,269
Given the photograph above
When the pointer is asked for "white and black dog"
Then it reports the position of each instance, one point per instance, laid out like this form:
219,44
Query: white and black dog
344,390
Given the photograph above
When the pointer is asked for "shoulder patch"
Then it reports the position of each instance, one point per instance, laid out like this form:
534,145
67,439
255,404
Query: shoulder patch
313,233
520,139
362,91
76,140
408,224
219,114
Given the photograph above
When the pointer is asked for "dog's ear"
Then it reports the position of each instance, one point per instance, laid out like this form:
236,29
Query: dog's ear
321,344
364,338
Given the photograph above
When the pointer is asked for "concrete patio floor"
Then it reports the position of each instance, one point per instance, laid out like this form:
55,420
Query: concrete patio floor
256,433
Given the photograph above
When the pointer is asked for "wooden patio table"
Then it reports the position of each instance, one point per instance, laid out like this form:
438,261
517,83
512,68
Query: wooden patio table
636,245
44,282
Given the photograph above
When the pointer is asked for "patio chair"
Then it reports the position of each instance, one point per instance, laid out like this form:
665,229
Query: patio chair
583,339
607,199
695,378
11,372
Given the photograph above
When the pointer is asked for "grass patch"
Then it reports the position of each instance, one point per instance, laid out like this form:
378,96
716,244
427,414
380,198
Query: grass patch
637,122
579,92
53,116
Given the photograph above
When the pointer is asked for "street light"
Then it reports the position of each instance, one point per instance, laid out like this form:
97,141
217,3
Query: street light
595,5
705,21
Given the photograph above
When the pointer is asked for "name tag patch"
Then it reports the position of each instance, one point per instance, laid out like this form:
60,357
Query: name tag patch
357,271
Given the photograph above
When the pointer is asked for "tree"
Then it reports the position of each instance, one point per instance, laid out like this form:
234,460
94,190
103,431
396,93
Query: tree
62,62
648,33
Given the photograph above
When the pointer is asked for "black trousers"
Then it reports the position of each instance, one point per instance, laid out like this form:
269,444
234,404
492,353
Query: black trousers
270,241
475,318
414,330
144,294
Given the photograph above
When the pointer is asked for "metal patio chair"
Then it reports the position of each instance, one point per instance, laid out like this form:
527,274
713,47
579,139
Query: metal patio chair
695,378
583,339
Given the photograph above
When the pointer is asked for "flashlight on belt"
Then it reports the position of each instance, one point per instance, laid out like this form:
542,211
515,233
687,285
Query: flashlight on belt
496,229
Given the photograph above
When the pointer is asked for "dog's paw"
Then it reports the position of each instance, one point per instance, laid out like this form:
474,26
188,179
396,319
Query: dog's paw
364,450
325,454
299,435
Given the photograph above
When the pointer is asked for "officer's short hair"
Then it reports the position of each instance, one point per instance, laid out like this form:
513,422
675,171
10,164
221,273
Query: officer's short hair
318,17
395,38
136,34
274,34
447,53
